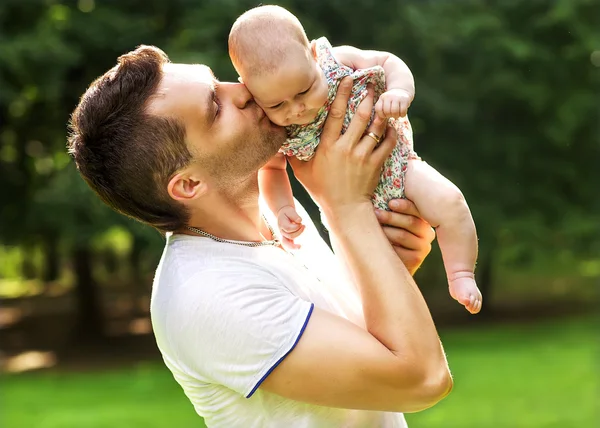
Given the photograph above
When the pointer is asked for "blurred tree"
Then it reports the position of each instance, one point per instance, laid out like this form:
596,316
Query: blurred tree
506,107
49,56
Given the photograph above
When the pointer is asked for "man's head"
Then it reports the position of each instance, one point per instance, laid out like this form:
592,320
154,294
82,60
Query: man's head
271,53
152,137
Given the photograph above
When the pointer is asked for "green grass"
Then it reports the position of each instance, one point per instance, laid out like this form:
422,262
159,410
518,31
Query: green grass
519,376
533,376
145,396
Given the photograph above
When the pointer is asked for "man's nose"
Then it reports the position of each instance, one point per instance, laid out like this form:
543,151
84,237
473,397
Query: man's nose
237,92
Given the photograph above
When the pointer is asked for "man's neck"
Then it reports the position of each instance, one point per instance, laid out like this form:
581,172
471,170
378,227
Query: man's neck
232,213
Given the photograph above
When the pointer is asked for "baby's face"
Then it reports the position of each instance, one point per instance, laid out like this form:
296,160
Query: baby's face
294,93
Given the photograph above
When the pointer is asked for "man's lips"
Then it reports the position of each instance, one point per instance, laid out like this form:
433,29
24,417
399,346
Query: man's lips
260,114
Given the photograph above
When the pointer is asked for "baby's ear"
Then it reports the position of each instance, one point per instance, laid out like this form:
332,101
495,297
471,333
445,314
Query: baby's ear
240,80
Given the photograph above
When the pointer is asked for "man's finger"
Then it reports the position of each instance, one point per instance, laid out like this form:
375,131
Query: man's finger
384,150
369,142
379,108
335,117
404,206
402,238
397,220
406,217
361,118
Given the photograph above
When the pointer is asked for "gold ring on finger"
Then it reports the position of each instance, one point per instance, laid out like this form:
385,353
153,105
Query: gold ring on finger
374,137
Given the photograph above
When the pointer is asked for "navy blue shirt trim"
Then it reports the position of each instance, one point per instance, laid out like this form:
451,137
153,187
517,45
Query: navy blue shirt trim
262,379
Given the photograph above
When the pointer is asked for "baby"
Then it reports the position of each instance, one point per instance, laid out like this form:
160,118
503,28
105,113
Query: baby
295,81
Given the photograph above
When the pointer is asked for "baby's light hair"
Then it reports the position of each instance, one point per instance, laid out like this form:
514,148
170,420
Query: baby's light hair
260,38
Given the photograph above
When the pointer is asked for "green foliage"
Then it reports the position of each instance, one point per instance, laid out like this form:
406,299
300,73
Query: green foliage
506,102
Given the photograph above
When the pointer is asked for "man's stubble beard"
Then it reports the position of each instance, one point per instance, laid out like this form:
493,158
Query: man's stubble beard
243,164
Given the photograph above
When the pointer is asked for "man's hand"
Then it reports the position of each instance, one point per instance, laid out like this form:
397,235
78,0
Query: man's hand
409,234
290,225
393,103
346,168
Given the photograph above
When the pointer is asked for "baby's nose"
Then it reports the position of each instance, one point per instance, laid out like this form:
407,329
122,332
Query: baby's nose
299,109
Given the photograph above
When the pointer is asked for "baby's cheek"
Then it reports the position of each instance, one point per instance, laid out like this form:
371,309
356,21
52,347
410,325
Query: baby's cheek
277,118
322,96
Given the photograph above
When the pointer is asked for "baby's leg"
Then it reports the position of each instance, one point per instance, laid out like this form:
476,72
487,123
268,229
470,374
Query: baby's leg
443,206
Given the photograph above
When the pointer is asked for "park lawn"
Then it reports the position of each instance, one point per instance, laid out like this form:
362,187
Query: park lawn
534,376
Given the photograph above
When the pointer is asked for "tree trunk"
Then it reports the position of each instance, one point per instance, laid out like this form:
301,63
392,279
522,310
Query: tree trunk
28,268
51,258
140,288
90,322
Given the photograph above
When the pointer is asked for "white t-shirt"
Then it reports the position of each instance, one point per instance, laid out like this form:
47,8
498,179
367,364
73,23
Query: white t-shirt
225,316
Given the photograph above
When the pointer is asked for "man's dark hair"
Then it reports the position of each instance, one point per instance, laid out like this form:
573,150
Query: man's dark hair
125,154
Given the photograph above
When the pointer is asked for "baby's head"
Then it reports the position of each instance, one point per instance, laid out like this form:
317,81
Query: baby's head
271,53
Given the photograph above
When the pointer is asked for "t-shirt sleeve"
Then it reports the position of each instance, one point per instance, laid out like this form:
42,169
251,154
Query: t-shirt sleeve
234,328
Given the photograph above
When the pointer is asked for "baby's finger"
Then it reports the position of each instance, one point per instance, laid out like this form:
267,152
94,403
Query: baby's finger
388,108
296,233
289,227
289,244
404,108
293,216
395,109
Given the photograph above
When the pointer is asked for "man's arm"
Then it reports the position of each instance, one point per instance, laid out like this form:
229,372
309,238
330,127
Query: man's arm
398,363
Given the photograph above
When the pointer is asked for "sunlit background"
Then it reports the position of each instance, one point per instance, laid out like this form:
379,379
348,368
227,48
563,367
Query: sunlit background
506,106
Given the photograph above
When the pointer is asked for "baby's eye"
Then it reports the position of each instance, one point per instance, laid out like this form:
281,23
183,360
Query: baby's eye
276,106
305,92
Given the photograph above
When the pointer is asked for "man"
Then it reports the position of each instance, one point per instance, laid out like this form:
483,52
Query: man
257,336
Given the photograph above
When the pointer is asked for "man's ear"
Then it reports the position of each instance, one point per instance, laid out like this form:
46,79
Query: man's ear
185,186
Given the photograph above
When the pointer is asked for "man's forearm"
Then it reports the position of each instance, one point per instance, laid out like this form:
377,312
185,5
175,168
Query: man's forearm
394,309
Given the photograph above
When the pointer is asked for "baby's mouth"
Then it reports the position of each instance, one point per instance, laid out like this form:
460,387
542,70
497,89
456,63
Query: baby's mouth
307,117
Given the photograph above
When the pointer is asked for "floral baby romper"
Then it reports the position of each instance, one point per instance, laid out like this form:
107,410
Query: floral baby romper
303,139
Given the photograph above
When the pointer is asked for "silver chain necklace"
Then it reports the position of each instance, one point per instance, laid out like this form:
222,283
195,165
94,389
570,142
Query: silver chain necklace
275,242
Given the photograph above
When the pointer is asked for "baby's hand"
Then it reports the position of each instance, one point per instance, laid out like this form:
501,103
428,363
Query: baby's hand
393,103
290,225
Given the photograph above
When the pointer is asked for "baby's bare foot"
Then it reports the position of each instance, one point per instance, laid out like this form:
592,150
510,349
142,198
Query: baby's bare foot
465,291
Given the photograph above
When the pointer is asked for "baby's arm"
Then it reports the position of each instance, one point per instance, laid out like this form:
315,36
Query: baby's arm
400,83
275,187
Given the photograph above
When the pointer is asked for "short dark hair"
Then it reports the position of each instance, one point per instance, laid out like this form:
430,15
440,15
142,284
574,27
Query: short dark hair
125,154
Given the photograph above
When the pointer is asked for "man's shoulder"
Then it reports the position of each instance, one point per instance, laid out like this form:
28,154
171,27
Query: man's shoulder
192,259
